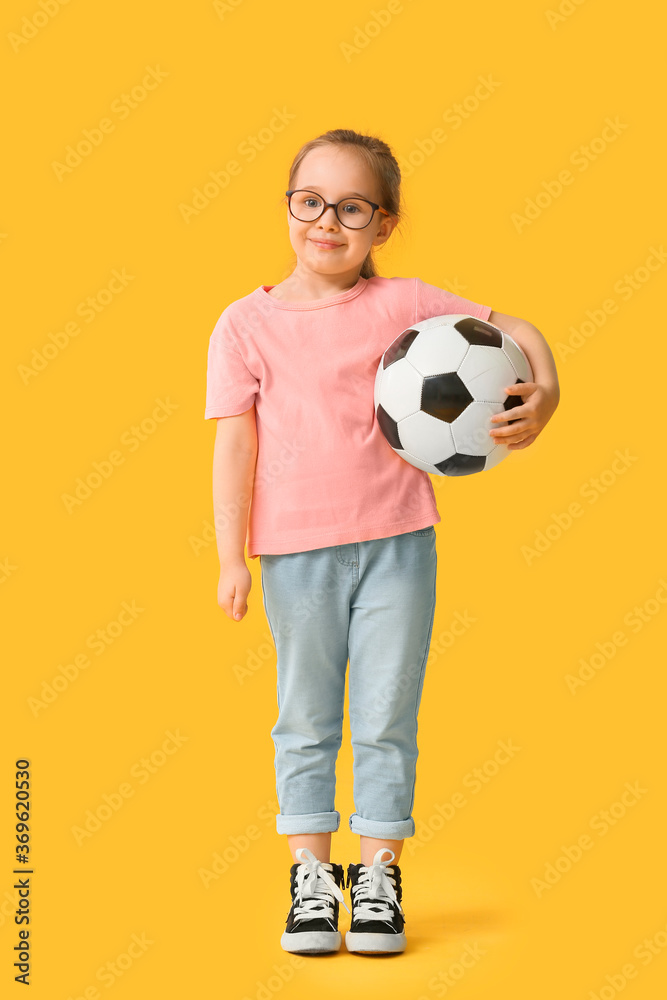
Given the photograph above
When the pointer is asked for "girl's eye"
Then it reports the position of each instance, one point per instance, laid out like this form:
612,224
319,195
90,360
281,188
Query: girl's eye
355,207
307,200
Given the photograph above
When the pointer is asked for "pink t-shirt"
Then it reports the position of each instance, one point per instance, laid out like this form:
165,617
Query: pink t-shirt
325,473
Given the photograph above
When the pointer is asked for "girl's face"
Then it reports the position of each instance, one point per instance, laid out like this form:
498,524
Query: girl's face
326,245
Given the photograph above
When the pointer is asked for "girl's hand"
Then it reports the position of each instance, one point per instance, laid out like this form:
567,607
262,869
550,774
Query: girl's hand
233,588
531,416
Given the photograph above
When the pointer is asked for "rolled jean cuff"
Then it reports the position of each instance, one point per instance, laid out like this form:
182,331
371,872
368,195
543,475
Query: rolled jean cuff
327,822
382,830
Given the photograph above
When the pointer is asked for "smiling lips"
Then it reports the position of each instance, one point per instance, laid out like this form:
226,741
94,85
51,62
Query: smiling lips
326,244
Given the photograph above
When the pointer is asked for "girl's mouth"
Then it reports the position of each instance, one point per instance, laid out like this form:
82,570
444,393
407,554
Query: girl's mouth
326,246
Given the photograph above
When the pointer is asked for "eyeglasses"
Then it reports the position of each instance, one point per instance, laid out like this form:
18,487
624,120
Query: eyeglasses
306,206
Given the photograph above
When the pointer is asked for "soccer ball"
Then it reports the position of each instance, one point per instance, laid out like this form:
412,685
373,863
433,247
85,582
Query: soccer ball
437,386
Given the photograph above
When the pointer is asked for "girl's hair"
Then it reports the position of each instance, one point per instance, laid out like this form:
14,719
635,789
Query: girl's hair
381,161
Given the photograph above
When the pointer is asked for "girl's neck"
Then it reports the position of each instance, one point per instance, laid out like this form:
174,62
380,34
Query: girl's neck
297,289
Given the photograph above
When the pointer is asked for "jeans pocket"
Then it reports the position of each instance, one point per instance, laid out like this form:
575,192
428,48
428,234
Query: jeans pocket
423,531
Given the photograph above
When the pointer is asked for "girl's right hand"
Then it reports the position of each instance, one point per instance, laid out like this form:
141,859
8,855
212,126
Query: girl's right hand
233,588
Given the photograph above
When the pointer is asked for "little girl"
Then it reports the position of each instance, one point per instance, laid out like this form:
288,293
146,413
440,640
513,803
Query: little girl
343,526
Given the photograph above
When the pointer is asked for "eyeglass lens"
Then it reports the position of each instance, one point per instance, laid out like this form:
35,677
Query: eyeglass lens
352,212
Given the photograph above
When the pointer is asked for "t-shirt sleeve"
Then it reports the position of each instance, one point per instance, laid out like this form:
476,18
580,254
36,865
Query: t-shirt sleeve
230,386
433,301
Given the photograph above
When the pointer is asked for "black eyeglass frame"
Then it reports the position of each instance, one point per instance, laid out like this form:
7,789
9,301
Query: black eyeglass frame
334,205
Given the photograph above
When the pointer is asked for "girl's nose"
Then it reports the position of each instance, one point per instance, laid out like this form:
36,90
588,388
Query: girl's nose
323,216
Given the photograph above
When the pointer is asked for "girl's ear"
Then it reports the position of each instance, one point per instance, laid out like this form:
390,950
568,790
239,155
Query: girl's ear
386,229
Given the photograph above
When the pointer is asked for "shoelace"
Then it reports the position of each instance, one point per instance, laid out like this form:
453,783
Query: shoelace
375,890
315,887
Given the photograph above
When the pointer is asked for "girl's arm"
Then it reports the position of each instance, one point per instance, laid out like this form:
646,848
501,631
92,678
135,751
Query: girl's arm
234,460
541,397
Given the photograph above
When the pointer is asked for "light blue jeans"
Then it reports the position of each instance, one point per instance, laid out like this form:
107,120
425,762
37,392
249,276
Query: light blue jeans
371,603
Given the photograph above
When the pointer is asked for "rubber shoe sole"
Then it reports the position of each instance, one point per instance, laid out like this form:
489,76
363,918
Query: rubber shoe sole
375,944
311,942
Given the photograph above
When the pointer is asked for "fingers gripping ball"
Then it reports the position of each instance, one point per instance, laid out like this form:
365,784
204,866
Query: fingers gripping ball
437,387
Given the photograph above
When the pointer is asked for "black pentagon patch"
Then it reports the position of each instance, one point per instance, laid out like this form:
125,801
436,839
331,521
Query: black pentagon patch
399,348
444,396
461,465
389,427
513,401
476,331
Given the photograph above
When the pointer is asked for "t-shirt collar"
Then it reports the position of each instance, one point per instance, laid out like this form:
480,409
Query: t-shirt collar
329,300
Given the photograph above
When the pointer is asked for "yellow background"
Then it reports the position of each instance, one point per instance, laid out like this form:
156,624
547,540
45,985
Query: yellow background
172,668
